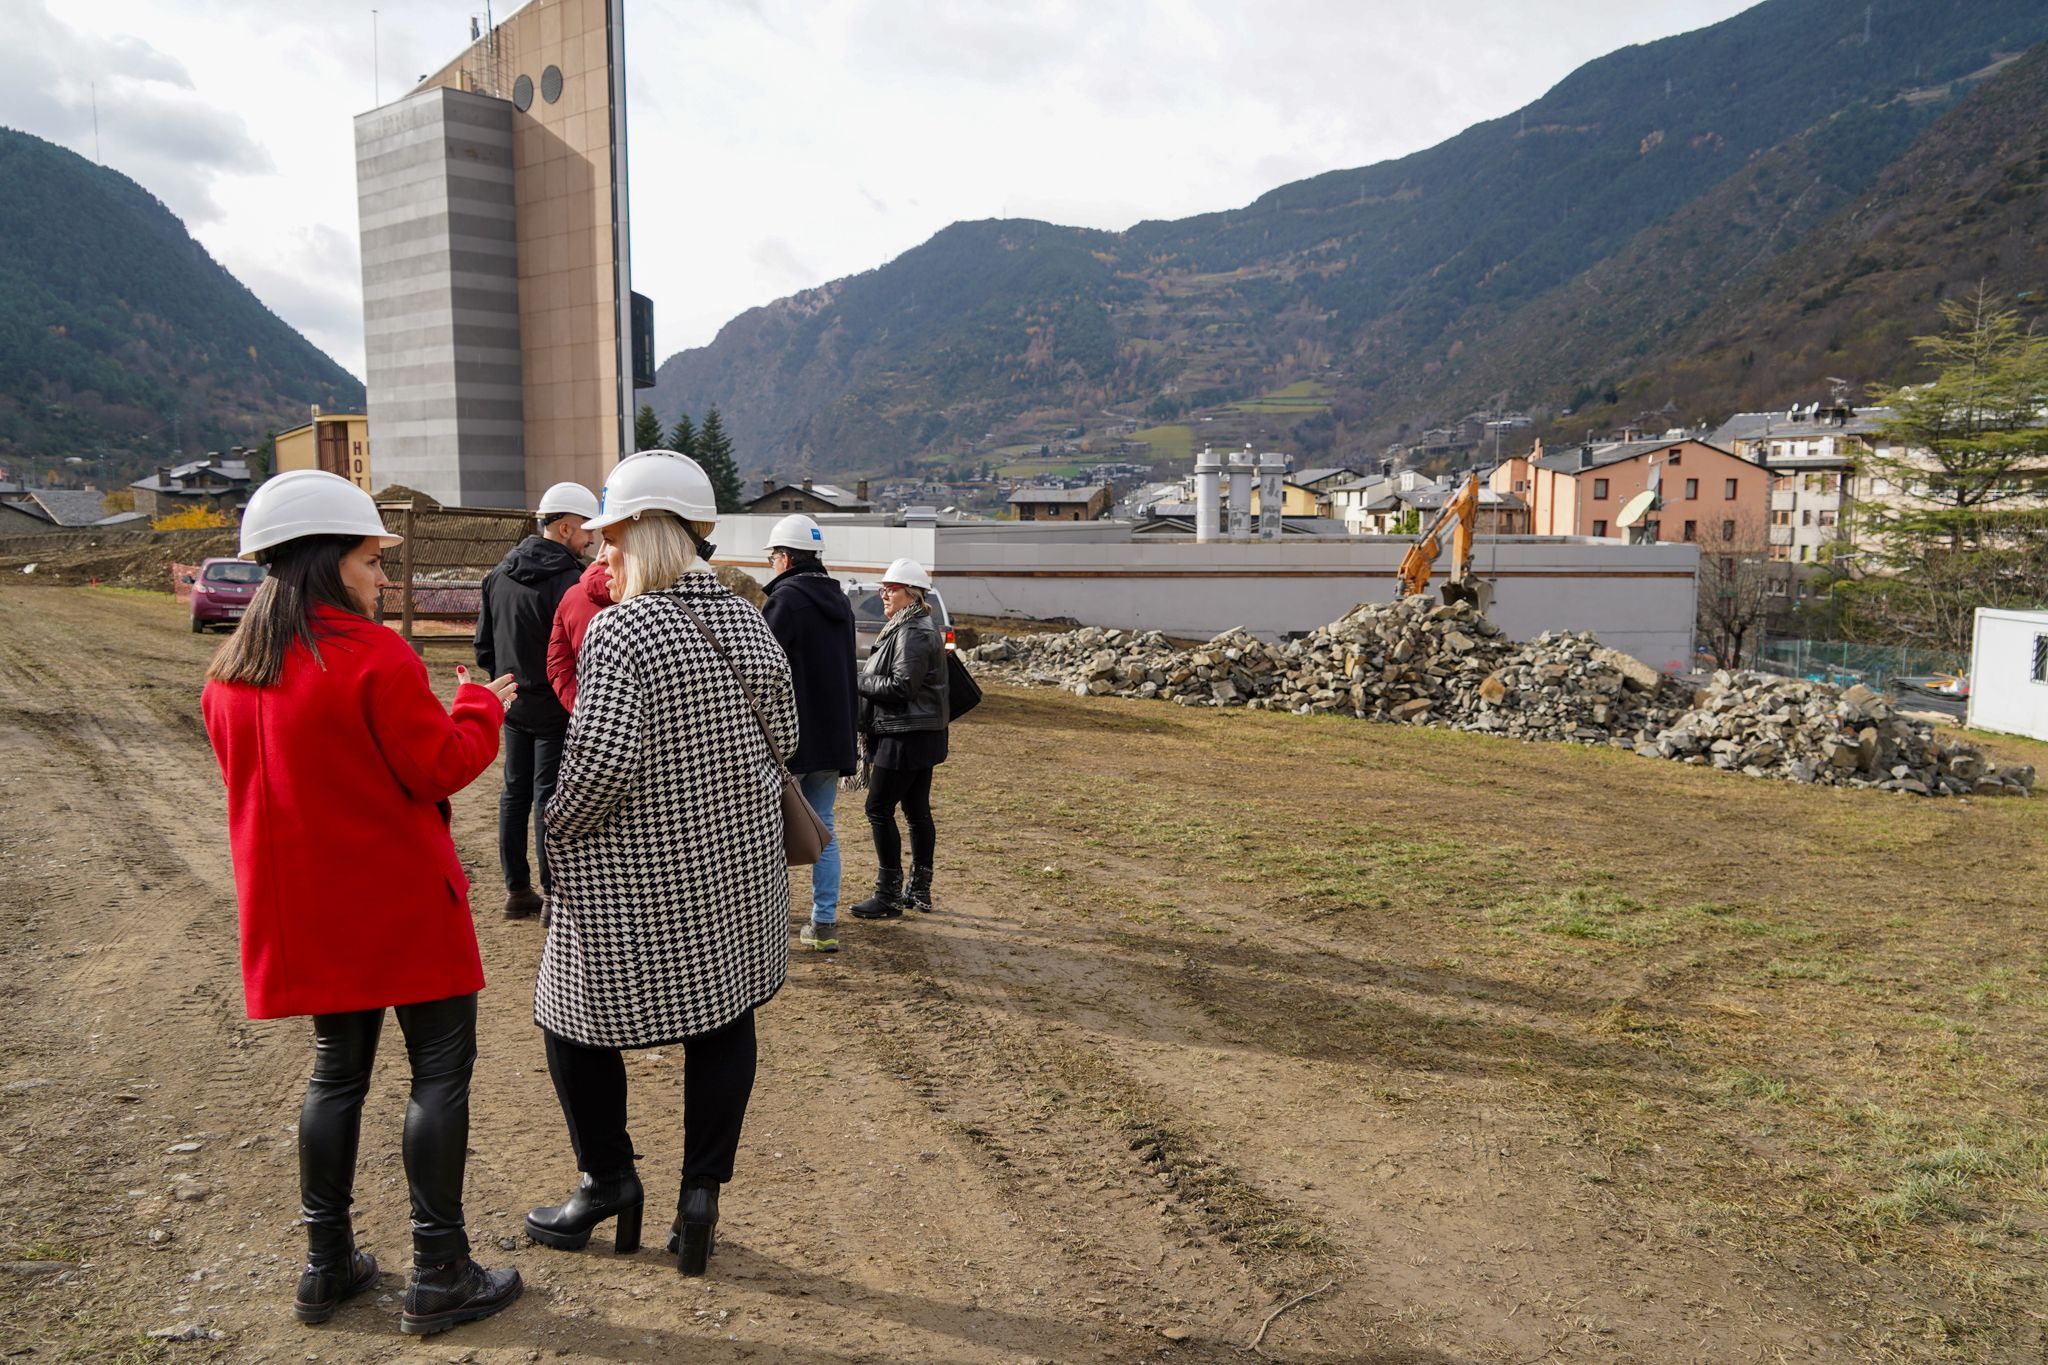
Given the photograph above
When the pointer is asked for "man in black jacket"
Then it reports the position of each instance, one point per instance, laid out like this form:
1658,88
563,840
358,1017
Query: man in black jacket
512,628
808,611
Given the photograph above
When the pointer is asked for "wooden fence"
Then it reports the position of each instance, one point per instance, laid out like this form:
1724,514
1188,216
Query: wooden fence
442,561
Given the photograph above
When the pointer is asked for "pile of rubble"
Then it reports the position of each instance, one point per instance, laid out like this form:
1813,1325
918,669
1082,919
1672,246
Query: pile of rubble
1416,662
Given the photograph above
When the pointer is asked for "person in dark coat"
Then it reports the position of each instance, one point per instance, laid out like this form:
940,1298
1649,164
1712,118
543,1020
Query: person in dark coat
812,620
513,627
904,720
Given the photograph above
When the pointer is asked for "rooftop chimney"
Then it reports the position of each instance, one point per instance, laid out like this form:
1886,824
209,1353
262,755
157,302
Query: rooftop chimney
1208,494
807,483
860,490
767,487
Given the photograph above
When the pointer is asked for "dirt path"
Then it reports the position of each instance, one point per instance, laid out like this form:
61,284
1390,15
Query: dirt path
1101,1107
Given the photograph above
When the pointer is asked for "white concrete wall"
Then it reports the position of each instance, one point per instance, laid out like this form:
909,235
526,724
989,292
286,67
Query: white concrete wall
1637,598
2003,693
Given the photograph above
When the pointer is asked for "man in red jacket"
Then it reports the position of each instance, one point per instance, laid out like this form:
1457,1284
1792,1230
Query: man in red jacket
591,595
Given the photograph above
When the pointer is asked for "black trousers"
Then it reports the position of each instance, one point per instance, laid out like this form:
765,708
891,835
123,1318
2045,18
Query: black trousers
440,1043
531,762
718,1079
910,788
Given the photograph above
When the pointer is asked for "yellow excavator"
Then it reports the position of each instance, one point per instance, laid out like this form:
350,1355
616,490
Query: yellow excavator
1457,515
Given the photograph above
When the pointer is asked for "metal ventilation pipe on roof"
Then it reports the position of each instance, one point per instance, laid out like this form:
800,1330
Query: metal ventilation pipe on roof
1272,493
1243,465
1208,495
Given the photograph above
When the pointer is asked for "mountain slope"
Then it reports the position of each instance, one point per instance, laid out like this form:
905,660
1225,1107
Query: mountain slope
116,327
1377,280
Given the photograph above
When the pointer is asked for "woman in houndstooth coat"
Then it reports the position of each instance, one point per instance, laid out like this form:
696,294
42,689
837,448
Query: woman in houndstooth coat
669,915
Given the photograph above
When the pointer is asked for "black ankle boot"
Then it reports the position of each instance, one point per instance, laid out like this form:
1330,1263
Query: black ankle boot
695,1234
450,1294
918,895
567,1225
328,1281
887,902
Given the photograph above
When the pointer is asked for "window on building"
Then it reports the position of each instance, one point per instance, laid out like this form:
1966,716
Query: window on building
1727,530
1521,485
1676,457
1692,488
1781,517
1824,518
2041,658
1781,552
1599,528
1806,516
1728,489
1599,488
1692,530
1805,553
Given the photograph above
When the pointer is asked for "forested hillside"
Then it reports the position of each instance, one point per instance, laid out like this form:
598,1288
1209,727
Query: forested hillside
117,329
1587,245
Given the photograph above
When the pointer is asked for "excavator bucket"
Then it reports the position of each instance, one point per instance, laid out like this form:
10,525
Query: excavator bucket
1476,591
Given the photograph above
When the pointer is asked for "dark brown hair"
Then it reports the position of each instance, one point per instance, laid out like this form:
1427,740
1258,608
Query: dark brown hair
304,573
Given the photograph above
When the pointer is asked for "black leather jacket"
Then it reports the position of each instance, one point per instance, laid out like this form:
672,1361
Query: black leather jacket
904,682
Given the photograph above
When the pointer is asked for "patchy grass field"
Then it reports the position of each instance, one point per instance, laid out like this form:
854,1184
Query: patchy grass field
1171,442
1302,398
1515,1052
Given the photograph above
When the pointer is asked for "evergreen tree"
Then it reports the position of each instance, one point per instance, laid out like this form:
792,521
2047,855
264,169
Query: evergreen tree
714,452
646,429
1960,488
682,439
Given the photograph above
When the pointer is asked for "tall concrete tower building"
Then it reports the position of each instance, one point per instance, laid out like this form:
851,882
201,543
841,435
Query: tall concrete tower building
504,342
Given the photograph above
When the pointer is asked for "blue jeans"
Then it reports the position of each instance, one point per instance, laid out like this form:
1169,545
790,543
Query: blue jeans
820,789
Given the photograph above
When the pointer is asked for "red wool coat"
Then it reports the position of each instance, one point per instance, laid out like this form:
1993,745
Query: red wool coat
591,595
351,896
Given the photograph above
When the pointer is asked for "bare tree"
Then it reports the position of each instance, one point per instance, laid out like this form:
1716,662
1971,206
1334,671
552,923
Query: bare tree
1735,589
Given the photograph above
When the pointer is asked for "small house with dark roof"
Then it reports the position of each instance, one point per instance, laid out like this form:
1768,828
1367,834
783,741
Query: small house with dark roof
213,482
1062,504
810,498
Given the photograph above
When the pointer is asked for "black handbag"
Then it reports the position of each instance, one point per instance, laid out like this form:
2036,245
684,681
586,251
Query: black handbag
963,693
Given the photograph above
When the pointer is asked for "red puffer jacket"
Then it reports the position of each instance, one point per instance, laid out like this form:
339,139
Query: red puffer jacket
338,780
591,595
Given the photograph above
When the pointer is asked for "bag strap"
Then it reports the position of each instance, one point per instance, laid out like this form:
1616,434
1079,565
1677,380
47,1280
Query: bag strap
738,677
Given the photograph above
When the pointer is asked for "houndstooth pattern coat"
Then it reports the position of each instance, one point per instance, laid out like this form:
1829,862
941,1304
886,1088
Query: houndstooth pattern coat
670,909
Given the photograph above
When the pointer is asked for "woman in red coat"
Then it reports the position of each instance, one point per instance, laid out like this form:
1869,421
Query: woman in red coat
339,762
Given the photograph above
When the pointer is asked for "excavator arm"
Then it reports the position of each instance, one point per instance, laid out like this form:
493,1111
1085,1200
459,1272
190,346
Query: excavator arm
1458,516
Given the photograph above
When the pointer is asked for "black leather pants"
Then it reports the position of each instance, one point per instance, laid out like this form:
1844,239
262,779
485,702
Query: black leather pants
440,1043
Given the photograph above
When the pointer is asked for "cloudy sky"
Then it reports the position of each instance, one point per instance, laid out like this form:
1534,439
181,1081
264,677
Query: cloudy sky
777,144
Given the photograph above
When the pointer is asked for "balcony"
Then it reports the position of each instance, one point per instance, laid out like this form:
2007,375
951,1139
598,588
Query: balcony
1782,535
1783,501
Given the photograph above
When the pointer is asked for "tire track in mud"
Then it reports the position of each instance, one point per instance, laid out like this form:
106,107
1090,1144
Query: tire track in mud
1127,1182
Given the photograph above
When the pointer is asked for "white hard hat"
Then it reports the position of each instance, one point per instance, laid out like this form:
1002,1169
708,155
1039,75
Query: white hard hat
909,573
655,481
568,498
796,532
308,502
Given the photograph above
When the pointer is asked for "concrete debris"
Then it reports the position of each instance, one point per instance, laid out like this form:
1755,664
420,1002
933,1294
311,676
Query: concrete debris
1419,663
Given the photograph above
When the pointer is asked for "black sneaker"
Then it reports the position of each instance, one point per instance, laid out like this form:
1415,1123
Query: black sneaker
446,1296
322,1288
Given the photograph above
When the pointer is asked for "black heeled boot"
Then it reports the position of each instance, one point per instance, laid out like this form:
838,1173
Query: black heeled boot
887,902
695,1234
339,1274
918,895
567,1226
454,1292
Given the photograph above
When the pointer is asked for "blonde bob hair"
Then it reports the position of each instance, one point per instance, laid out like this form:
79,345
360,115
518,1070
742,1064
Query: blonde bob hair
657,551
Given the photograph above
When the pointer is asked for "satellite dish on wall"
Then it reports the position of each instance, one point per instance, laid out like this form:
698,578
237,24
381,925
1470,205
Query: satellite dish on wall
1638,507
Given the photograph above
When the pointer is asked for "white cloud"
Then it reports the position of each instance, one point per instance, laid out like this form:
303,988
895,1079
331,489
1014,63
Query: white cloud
777,144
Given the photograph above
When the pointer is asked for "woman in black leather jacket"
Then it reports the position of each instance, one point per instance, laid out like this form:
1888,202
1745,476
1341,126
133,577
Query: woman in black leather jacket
903,726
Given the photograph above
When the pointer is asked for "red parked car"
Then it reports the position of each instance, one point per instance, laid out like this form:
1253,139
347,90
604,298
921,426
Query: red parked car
221,591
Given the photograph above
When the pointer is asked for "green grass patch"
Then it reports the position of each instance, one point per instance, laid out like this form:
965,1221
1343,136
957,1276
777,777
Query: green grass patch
1174,442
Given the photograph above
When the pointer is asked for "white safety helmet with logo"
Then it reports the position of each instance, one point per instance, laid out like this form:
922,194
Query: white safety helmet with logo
567,499
655,481
308,502
797,532
909,573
